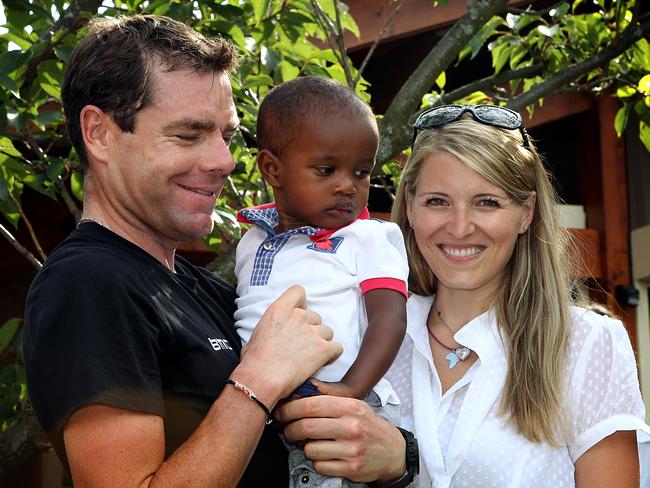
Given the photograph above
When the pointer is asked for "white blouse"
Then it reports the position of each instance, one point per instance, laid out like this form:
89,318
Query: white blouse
464,443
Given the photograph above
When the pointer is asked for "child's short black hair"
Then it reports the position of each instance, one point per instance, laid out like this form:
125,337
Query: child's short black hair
290,103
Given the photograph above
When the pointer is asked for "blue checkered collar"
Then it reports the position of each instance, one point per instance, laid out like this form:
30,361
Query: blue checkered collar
267,218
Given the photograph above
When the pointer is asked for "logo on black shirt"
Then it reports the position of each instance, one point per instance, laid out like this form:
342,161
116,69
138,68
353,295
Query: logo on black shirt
219,344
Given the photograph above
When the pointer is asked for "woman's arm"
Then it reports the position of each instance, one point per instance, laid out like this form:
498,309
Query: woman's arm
345,438
614,461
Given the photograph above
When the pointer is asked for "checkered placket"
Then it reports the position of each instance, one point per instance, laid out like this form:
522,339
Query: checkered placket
268,219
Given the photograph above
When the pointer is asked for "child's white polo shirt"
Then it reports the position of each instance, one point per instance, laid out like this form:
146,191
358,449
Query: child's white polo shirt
336,267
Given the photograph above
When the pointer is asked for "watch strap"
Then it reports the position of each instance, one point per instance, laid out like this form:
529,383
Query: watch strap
412,455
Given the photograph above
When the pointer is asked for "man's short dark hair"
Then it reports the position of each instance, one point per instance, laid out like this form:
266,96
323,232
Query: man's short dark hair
112,67
289,104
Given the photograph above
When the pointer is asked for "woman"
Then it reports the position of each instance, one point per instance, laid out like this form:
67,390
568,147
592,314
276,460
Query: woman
503,381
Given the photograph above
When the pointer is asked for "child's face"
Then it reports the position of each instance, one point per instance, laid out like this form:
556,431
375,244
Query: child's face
324,172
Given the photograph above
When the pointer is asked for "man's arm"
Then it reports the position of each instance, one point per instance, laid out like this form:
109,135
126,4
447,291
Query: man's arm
108,446
386,311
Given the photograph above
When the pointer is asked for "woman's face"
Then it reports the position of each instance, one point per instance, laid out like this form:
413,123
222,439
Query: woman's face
464,226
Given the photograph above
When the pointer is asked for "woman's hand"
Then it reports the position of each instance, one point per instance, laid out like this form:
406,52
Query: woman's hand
344,437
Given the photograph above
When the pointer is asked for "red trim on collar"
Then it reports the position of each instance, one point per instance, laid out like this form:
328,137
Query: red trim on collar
243,220
318,236
326,233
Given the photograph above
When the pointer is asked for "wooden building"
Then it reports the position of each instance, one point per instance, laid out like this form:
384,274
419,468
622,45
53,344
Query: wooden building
604,179
596,172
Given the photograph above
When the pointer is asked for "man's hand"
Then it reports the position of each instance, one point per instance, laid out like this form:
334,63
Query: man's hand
288,345
345,438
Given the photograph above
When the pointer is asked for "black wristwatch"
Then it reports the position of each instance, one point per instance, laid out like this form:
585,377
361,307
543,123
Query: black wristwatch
412,463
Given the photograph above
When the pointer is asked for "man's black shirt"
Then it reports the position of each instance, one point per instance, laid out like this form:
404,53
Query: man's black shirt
105,322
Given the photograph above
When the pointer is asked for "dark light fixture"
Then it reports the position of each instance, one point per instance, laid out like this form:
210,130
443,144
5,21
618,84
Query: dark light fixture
627,295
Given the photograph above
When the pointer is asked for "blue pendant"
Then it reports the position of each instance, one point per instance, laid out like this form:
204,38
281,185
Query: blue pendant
459,354
452,358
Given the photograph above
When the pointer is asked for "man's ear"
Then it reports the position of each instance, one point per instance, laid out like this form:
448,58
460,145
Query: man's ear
271,168
96,128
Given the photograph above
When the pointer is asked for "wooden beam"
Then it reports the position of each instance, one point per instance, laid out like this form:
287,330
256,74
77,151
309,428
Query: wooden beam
414,16
557,106
616,259
585,253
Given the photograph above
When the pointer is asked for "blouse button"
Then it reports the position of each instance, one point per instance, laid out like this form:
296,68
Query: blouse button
268,246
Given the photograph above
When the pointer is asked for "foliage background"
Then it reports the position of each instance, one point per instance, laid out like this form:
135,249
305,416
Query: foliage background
598,47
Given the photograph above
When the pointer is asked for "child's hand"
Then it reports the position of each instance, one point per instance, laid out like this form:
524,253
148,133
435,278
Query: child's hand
338,389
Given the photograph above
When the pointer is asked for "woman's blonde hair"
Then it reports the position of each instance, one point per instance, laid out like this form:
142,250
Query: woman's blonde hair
533,301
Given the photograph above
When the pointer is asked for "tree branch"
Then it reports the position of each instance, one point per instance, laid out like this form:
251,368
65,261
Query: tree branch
541,13
629,36
371,51
490,81
67,199
58,182
329,30
340,42
69,20
20,442
20,248
30,229
394,127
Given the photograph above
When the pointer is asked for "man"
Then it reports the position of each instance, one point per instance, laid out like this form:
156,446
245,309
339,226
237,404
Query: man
133,366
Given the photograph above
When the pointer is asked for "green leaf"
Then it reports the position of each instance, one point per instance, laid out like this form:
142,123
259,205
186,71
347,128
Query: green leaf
620,121
77,185
63,52
8,83
625,92
38,48
48,117
55,168
7,332
644,84
7,147
316,70
20,41
548,31
12,60
348,23
517,54
479,39
260,7
287,70
52,90
644,135
560,10
441,80
257,80
500,55
336,72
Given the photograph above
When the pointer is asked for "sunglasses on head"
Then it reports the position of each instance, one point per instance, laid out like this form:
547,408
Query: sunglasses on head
492,115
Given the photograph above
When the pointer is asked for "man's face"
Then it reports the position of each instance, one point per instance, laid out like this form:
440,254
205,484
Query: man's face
165,176
325,172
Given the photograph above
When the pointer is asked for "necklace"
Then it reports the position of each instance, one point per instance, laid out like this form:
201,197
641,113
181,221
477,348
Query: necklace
94,221
455,355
